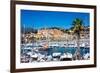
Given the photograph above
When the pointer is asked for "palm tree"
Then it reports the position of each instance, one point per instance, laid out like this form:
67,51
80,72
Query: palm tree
77,28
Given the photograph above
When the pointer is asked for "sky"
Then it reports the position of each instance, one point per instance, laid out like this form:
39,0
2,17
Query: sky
46,19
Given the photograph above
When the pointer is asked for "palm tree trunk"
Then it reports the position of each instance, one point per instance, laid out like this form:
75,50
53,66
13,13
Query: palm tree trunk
77,53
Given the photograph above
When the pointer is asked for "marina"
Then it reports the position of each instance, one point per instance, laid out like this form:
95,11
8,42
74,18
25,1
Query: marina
36,53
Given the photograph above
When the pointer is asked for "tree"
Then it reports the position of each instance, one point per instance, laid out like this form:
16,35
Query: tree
78,27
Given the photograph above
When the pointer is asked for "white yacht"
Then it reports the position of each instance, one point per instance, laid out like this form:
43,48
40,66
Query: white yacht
66,56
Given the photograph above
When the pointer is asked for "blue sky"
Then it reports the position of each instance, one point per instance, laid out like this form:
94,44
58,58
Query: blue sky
46,19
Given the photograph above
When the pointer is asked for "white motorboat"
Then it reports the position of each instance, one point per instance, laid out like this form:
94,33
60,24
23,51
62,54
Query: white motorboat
56,54
66,56
49,58
86,56
34,57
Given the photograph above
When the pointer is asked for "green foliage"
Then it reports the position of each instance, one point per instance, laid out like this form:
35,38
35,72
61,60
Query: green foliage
77,25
